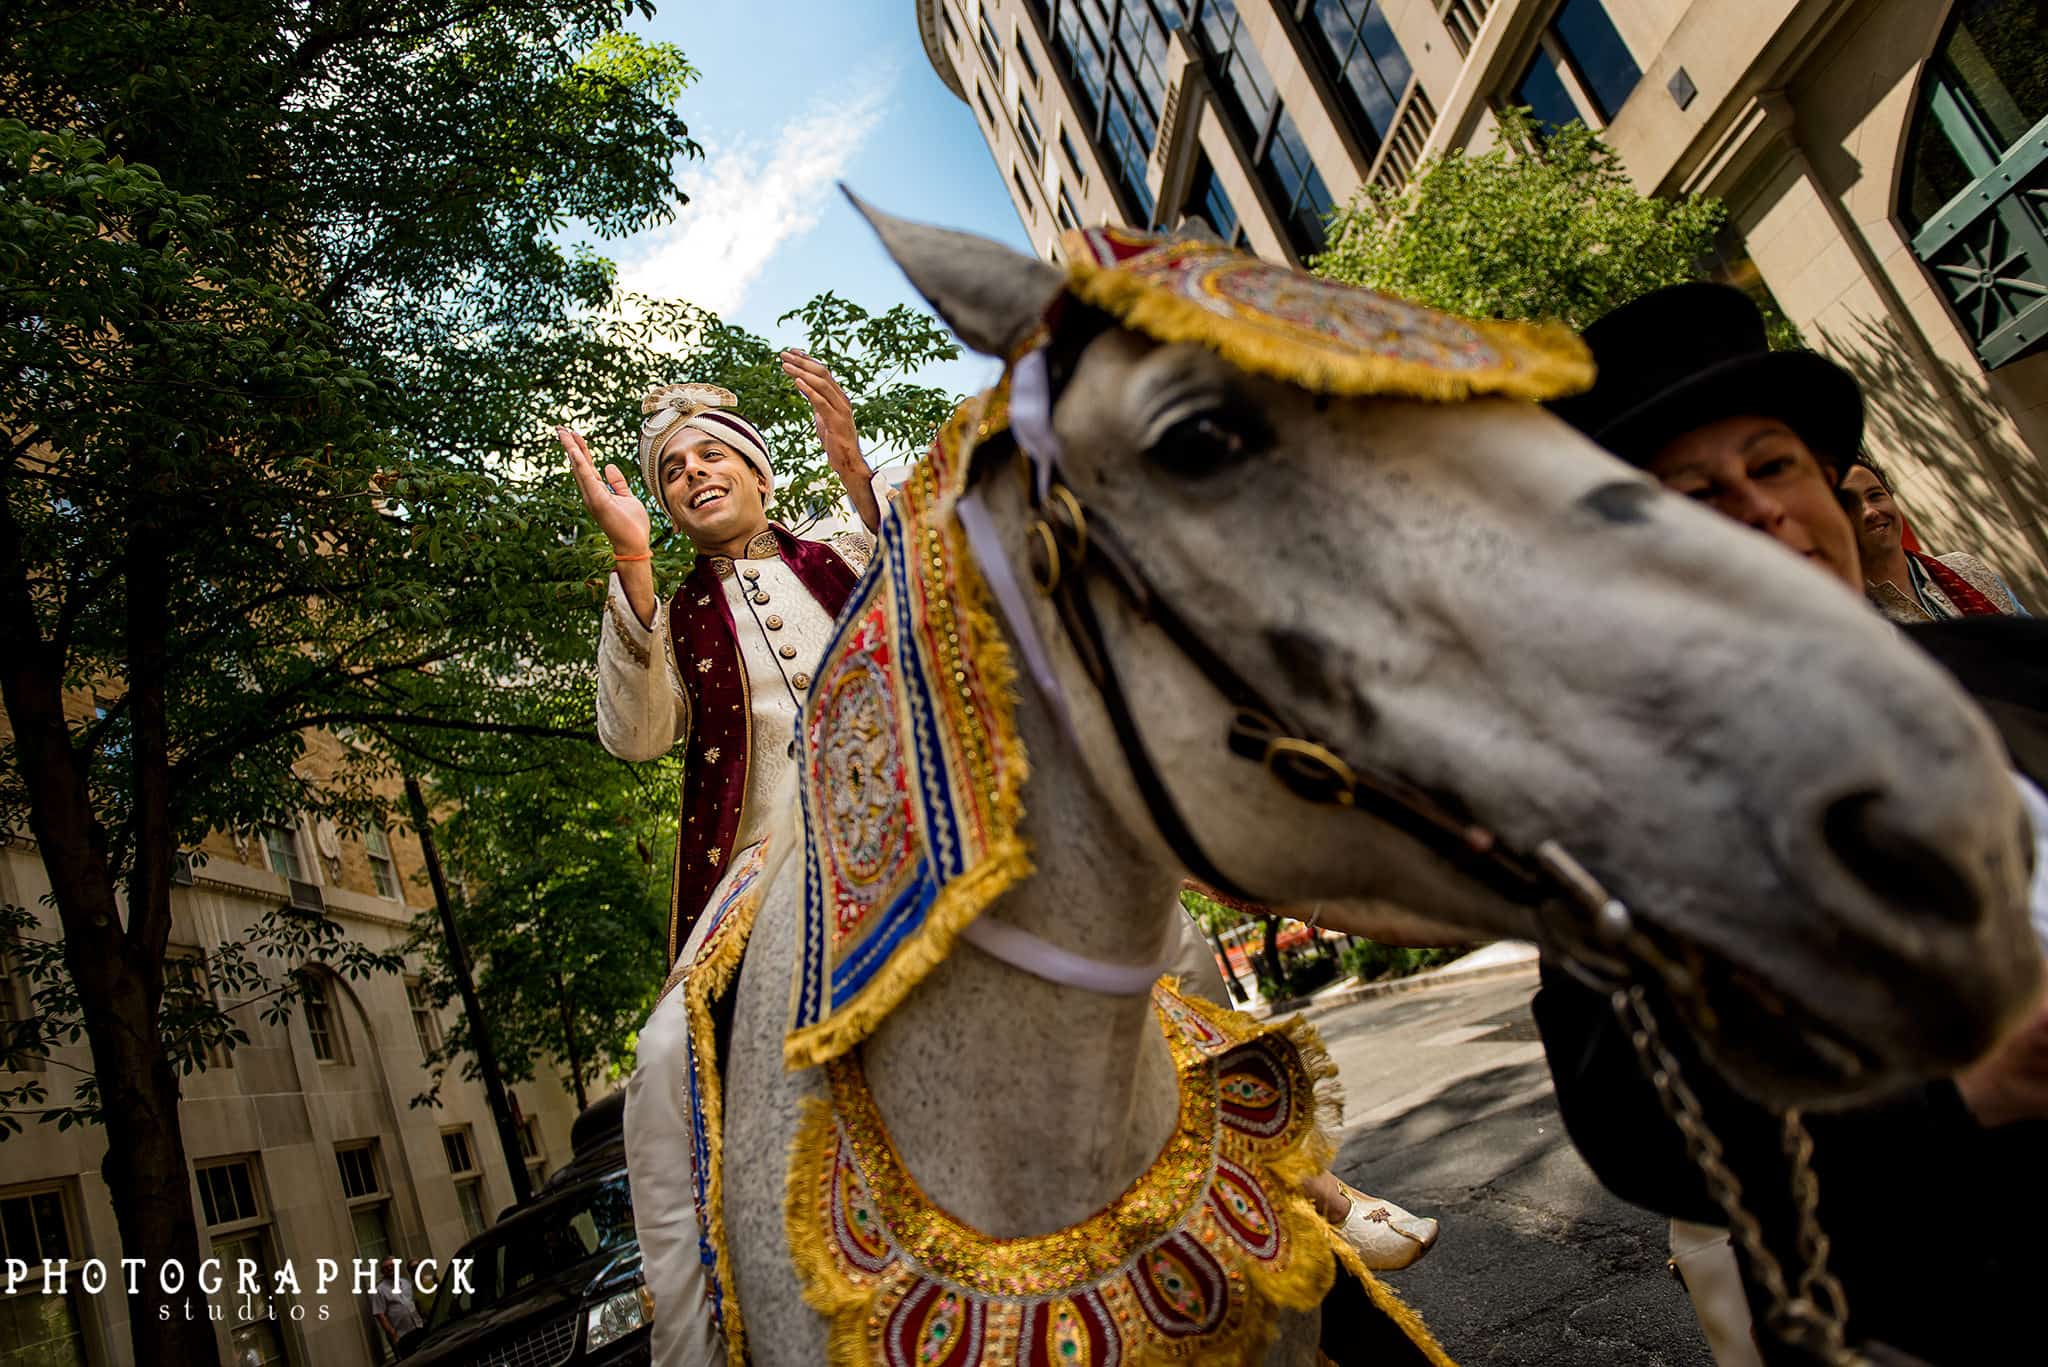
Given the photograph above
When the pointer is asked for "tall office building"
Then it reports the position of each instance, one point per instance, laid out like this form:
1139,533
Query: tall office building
1883,163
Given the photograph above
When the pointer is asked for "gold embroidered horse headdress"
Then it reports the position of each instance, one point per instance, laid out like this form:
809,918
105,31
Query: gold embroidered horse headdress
911,768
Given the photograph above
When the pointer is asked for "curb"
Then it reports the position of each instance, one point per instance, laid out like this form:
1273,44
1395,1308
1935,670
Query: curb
1393,987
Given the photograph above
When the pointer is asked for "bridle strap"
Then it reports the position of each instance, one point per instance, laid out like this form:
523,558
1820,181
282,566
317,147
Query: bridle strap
1084,632
1261,731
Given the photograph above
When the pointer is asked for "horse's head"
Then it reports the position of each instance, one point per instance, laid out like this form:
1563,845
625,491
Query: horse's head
1471,599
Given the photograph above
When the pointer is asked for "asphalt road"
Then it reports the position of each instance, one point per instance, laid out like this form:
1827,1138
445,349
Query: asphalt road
1449,1112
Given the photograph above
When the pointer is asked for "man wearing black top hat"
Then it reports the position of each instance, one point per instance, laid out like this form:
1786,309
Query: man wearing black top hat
1936,1200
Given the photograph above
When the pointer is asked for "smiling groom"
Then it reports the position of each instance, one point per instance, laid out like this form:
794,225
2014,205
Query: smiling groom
721,669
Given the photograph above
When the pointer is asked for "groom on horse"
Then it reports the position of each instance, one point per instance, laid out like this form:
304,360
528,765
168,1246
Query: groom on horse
721,668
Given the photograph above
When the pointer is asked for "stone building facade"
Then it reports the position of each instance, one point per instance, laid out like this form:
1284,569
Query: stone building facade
302,1143
1882,161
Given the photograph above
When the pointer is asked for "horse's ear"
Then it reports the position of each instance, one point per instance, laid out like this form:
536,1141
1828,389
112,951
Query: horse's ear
989,295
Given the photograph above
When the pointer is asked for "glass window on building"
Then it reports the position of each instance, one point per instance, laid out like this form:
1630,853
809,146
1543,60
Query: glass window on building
281,845
383,868
531,1147
323,1019
238,1228
988,111
1064,212
1128,148
1025,202
1597,55
952,29
459,1144
21,1049
991,46
1081,39
1142,42
189,1002
1073,156
369,1200
1296,186
1580,70
1027,67
1028,135
1371,70
1246,84
1208,202
1983,92
1975,170
35,1329
426,1025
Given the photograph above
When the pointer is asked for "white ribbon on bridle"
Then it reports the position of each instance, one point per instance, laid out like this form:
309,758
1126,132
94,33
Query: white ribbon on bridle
1031,424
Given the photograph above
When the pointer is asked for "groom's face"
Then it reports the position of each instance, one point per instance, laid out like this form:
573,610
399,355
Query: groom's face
711,491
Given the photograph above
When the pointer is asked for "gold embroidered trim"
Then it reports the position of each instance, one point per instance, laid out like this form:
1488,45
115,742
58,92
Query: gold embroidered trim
718,963
855,548
1540,361
628,635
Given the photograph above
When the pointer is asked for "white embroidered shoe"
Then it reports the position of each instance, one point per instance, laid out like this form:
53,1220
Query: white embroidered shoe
1387,1237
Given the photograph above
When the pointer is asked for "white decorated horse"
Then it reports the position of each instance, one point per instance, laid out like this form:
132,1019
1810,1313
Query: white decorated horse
1305,596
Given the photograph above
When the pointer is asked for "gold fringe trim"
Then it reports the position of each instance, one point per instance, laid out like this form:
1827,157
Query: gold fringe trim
825,1289
1007,859
719,963
1300,1285
1386,1302
1545,361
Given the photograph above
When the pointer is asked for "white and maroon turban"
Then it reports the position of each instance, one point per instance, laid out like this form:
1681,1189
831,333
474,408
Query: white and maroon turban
670,408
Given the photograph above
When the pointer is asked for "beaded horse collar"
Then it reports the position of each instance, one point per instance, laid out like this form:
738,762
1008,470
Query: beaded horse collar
1192,1262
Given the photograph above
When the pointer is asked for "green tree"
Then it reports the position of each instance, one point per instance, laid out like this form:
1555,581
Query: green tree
1538,227
280,287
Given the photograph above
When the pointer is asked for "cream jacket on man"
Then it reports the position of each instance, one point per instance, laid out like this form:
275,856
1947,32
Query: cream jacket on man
642,711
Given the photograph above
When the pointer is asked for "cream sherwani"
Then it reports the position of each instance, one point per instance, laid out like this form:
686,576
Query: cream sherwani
642,711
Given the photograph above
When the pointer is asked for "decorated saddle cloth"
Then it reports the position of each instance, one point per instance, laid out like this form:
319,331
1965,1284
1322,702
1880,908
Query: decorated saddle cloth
1192,1263
910,768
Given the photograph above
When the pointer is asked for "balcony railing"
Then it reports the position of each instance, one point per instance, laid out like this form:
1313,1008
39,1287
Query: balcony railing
1462,18
1401,153
1988,253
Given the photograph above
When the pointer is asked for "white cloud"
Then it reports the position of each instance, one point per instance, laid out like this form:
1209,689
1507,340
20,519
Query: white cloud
747,200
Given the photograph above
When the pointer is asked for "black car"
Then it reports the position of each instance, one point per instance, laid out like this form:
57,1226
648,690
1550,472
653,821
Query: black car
556,1281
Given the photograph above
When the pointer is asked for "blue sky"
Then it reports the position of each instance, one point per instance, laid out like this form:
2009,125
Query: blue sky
795,96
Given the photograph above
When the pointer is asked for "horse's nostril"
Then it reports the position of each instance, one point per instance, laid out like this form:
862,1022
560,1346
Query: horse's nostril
1897,865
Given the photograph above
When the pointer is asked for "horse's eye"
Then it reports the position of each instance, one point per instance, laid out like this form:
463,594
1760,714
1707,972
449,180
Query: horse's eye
1206,443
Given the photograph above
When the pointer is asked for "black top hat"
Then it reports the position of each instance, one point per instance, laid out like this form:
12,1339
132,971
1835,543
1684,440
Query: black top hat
1689,355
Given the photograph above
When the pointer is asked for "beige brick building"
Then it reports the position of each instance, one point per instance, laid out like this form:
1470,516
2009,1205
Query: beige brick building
302,1145
1883,163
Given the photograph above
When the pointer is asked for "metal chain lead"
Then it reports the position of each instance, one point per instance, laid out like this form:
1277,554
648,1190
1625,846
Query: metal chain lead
1800,1315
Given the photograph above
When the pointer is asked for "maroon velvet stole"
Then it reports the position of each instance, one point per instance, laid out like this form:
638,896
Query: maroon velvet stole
715,758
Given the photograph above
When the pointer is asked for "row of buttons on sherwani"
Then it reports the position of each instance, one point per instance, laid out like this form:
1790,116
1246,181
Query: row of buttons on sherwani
800,681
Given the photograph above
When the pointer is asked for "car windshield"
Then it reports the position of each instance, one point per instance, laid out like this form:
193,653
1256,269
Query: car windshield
536,1244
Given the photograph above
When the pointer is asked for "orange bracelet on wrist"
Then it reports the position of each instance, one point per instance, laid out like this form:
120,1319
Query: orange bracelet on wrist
629,559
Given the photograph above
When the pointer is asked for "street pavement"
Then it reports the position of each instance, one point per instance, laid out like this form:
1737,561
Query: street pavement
1448,1111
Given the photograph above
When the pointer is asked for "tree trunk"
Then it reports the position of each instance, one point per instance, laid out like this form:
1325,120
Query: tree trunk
117,970
1230,978
570,1051
465,984
1276,967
